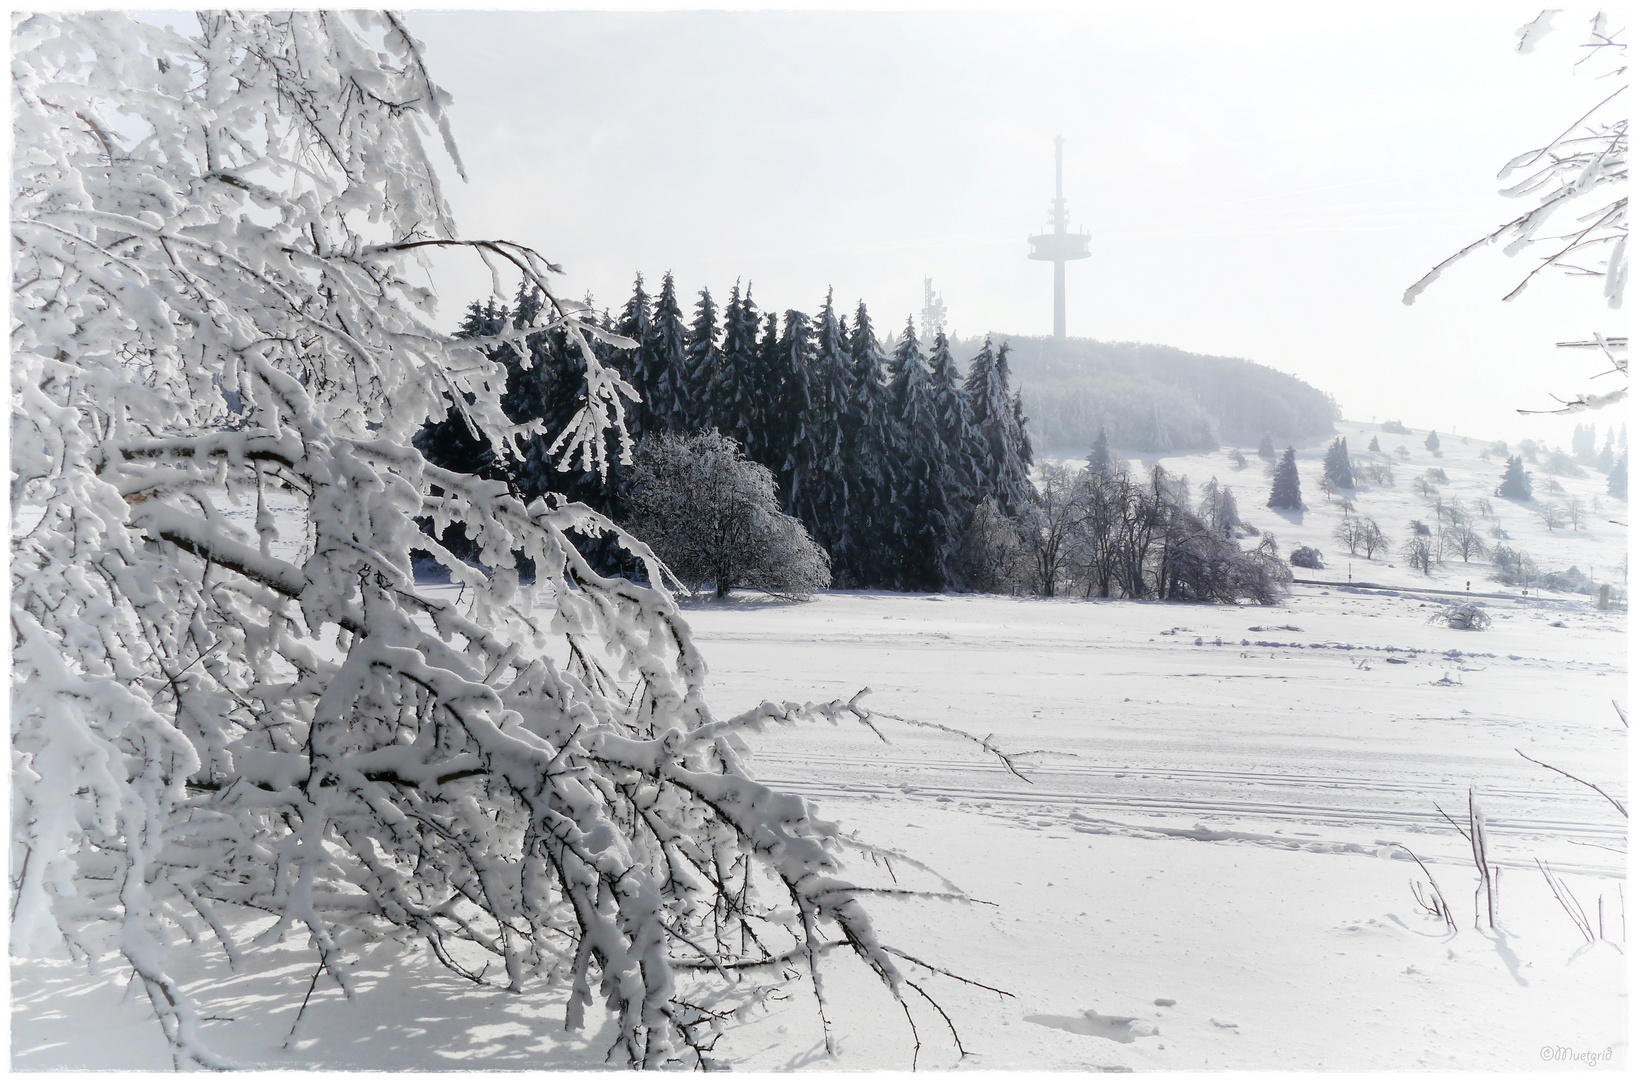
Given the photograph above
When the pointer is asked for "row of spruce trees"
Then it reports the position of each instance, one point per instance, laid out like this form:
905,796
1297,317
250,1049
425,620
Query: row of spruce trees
882,457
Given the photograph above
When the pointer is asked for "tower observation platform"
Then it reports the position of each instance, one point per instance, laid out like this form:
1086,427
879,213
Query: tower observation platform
1059,246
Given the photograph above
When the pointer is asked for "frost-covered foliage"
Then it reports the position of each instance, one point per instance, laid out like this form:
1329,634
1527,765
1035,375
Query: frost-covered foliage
713,517
1577,185
991,557
229,692
1308,558
1462,616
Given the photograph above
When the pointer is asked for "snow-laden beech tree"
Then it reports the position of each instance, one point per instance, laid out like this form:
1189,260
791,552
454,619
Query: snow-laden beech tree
230,697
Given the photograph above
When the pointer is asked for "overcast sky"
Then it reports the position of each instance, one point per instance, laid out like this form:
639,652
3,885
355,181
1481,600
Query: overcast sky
1258,181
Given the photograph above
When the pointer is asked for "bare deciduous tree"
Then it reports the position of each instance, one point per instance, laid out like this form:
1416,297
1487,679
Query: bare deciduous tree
1420,551
1463,540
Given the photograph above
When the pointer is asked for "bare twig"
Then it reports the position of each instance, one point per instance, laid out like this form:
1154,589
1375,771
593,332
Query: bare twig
1576,779
1438,906
319,970
1560,889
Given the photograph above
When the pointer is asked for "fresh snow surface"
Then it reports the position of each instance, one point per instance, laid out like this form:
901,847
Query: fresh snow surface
1207,868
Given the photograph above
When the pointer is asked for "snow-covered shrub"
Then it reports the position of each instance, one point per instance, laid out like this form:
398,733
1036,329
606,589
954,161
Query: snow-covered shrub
1308,558
1514,567
1463,616
1559,463
1572,580
1395,427
712,515
991,557
229,692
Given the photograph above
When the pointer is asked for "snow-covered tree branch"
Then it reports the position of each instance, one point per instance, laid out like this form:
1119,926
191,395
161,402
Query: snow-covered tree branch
1576,182
229,691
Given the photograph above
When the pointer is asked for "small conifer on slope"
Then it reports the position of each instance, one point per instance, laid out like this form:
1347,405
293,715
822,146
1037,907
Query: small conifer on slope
1287,484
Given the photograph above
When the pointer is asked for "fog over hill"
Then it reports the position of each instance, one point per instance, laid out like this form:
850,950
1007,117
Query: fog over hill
1155,398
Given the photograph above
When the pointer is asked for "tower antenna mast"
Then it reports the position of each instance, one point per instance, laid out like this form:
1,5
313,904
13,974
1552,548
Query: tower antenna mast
1059,246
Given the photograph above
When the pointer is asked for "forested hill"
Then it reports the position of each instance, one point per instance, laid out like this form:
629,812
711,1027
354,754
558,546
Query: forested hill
1155,398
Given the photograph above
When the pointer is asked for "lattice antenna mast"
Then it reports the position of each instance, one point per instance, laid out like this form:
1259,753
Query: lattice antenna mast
933,313
1059,246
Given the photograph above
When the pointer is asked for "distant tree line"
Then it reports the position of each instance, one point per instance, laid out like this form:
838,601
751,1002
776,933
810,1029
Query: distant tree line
1159,399
884,457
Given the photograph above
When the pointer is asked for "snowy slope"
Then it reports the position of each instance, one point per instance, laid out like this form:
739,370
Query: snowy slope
1598,549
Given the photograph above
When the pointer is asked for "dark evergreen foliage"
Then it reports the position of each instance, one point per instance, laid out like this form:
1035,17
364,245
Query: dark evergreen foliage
883,462
730,397
921,520
1515,484
643,369
1287,484
1265,450
1338,466
867,555
1004,454
961,448
1617,477
819,494
1432,441
668,407
786,385
1101,459
700,360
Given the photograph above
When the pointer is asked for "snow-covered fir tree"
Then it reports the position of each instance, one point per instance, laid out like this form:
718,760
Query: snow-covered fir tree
1287,484
1005,473
730,398
791,422
702,359
636,321
866,556
669,407
819,494
1338,466
961,447
921,512
768,439
1515,483
1101,459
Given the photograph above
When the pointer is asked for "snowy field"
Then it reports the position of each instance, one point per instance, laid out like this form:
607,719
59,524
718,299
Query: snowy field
1207,866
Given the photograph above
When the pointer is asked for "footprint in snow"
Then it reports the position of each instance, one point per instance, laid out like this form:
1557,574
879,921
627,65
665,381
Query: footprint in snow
1118,1028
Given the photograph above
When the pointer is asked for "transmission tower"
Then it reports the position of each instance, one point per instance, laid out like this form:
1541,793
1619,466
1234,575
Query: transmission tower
1059,246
